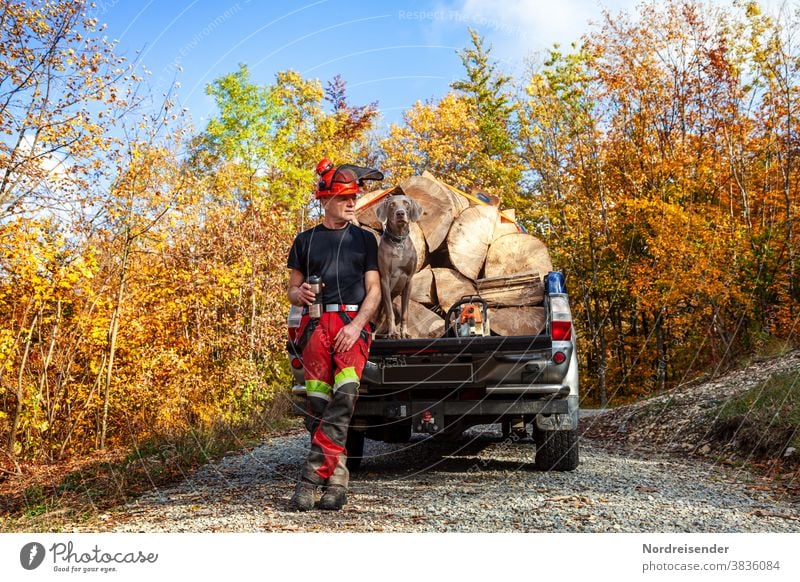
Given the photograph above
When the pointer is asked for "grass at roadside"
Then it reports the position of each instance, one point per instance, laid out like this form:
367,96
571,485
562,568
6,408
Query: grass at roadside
765,420
53,497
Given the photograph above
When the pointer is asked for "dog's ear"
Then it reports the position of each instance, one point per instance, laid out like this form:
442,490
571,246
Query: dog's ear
415,212
382,211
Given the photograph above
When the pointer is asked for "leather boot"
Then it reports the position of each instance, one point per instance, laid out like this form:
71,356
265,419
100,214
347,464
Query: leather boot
334,498
303,498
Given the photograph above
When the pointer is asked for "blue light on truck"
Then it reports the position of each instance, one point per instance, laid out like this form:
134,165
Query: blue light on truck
555,282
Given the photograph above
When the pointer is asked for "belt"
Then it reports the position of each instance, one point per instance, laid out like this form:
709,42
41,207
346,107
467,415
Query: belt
335,307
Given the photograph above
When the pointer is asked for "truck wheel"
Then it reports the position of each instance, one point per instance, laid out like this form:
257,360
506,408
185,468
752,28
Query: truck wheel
556,450
355,449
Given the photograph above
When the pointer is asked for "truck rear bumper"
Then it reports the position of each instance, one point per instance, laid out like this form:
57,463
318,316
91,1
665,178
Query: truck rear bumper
541,389
485,407
467,408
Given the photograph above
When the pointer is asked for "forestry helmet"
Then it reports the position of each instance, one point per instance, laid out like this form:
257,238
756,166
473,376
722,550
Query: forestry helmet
335,181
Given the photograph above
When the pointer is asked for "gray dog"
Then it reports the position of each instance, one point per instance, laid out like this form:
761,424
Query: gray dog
397,258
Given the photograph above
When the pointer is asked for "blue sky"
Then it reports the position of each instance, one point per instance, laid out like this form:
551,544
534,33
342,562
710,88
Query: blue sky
394,52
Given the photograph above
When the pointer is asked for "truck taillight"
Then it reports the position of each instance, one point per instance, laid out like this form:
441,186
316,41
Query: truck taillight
562,330
561,324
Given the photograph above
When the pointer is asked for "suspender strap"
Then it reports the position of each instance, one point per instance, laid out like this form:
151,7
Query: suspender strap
306,335
347,319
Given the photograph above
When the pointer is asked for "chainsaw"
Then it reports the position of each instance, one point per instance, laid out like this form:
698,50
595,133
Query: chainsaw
468,317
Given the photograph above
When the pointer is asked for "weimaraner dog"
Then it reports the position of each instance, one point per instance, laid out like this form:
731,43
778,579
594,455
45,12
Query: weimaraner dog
397,259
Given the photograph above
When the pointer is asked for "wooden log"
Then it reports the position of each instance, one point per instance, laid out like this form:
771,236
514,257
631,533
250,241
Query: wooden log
517,253
422,322
459,201
418,239
451,286
516,320
368,204
438,208
512,290
470,237
422,289
503,226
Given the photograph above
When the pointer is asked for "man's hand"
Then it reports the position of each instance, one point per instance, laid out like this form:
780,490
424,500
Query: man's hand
305,295
346,338
299,291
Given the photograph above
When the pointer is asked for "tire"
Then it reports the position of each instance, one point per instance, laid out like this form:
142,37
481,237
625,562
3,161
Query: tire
355,449
556,450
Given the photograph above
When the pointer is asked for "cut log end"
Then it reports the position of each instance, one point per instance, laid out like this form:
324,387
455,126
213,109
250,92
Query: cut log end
517,320
470,237
517,253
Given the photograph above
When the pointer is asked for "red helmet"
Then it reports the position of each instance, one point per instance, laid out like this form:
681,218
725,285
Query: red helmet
323,166
334,181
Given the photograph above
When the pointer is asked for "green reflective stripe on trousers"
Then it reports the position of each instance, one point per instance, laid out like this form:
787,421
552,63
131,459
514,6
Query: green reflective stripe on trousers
346,376
318,387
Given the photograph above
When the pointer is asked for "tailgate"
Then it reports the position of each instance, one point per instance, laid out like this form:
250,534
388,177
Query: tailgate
460,345
462,362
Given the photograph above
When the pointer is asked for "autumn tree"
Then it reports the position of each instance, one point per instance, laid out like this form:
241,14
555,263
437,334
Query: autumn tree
467,137
60,82
439,137
569,201
767,59
488,91
655,177
60,87
351,122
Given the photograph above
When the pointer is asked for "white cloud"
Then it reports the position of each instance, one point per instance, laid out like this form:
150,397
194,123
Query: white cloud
51,164
518,27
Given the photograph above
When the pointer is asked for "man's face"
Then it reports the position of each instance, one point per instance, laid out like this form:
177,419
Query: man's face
340,208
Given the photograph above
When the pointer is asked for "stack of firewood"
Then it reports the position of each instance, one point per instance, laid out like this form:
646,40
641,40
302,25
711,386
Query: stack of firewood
467,247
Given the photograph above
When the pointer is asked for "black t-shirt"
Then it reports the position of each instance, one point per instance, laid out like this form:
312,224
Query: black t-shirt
340,257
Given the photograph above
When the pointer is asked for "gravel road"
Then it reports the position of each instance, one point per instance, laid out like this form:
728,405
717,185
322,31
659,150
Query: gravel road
487,485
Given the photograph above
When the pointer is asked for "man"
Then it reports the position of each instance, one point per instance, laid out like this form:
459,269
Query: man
336,345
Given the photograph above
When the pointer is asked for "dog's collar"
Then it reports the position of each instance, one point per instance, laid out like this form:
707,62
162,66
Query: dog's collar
394,238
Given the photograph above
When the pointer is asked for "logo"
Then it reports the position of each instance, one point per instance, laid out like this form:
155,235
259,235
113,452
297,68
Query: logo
31,556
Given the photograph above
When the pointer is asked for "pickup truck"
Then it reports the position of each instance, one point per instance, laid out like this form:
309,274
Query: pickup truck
443,386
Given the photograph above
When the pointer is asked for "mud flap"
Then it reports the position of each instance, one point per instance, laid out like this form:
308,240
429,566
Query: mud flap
549,422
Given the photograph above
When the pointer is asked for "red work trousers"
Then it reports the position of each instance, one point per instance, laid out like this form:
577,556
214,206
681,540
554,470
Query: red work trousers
332,380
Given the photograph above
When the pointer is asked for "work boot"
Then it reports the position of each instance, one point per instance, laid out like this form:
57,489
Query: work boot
334,498
303,498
